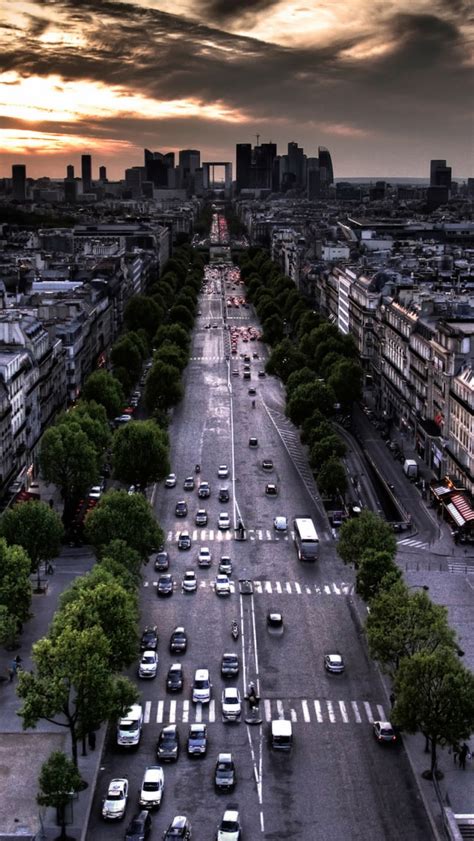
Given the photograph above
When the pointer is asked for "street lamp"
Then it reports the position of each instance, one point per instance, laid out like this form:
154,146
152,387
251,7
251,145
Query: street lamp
420,586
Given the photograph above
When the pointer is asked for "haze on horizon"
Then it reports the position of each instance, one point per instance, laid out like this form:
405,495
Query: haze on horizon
386,86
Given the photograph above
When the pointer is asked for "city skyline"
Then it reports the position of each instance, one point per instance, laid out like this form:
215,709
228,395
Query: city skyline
383,96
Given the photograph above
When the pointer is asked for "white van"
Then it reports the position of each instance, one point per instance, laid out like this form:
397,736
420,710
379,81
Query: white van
282,735
201,687
129,728
152,787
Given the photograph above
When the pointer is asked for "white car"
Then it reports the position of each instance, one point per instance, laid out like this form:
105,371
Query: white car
204,557
222,585
223,471
153,784
229,827
170,481
334,663
231,704
148,665
189,582
95,492
223,522
280,524
115,803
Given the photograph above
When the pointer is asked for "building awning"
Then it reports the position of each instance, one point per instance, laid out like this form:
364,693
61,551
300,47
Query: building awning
463,506
456,516
441,490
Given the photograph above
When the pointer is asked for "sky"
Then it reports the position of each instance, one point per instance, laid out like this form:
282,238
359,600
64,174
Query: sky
386,85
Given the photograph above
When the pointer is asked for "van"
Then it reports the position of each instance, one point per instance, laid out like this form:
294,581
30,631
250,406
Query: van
129,728
282,735
410,469
201,687
151,791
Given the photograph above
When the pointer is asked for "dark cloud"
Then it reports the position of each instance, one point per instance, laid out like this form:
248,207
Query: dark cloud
224,11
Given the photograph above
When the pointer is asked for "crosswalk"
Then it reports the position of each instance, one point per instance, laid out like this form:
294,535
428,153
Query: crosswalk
210,535
409,541
303,711
206,359
279,587
461,567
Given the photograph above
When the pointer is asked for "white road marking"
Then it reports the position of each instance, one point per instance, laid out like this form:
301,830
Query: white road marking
185,712
257,585
293,715
336,589
381,712
355,710
297,587
146,715
288,587
327,589
317,709
332,717
172,713
278,586
344,715
268,709
268,586
280,710
159,712
304,707
368,711
198,716
212,711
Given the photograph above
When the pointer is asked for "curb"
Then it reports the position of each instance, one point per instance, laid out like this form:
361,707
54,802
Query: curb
93,783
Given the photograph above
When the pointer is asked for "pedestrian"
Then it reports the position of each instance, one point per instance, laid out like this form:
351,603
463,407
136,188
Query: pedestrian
455,753
392,700
18,661
463,754
14,667
11,674
91,739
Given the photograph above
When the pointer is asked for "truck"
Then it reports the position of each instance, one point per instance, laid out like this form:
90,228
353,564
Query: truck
410,469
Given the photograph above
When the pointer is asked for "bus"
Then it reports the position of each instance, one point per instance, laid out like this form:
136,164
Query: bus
306,539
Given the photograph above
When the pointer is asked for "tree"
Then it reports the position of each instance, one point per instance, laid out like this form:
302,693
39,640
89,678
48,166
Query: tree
125,354
140,453
326,449
308,398
72,681
37,528
15,585
163,387
142,312
103,388
367,531
435,695
372,573
300,376
273,329
171,354
120,516
332,480
123,562
181,315
69,460
307,322
92,419
173,333
314,431
284,360
346,381
401,623
59,779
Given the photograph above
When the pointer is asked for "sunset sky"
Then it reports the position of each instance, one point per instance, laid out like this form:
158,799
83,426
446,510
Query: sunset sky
386,86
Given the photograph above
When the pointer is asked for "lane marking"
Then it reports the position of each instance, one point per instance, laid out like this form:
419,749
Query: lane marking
368,711
185,712
332,717
305,708
317,709
268,709
159,712
172,713
280,710
146,716
355,710
344,715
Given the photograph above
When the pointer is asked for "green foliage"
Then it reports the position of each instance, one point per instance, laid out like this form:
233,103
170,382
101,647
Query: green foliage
163,387
125,354
142,312
346,381
273,329
124,517
123,562
332,480
171,354
308,398
375,571
91,418
9,627
307,322
69,460
300,376
15,586
58,779
36,528
326,449
285,360
317,430
435,695
140,453
104,389
173,333
367,531
182,316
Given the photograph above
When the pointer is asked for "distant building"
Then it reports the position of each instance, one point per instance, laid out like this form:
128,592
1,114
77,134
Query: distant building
102,173
440,174
19,182
159,167
70,171
326,173
86,173
244,164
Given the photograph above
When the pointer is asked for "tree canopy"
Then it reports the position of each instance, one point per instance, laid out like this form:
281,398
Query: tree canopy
121,516
140,453
102,387
163,387
37,528
69,460
15,589
332,480
367,531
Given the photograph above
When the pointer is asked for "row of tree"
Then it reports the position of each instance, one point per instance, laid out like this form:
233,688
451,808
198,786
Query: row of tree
411,638
318,365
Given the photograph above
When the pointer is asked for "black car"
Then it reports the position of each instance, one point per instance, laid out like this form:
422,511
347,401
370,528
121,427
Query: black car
230,665
184,540
167,749
224,495
262,374
165,585
188,484
139,827
178,641
178,830
271,489
174,678
253,442
149,640
267,464
197,740
204,491
224,774
181,508
201,517
162,562
252,392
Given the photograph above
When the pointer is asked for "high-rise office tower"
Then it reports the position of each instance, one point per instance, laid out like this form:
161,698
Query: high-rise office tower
326,173
70,171
243,163
86,173
70,190
19,182
313,182
262,165
189,162
440,174
102,173
157,166
296,163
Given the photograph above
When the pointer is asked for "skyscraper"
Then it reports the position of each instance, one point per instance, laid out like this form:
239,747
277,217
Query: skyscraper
244,163
326,174
297,163
70,171
86,173
19,182
440,174
102,173
189,163
157,166
262,165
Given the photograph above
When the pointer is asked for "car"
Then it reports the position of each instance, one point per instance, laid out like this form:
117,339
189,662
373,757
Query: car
184,540
230,665
174,678
225,565
178,641
384,732
204,557
224,495
133,489
139,827
201,687
231,704
262,374
235,373
181,508
167,748
115,801
224,773
274,620
153,784
178,830
170,481
197,740
222,585
204,490
334,663
148,664
223,522
247,374
122,419
253,442
201,517
165,585
188,484
267,464
271,489
189,582
280,523
162,561
95,492
229,827
149,640
223,471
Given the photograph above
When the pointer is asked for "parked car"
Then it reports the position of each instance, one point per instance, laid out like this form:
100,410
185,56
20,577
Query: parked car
170,481
115,801
384,732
